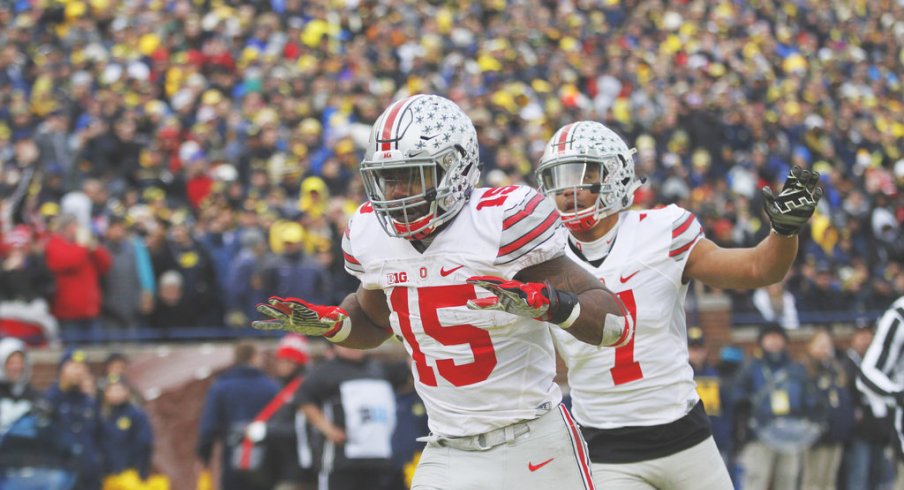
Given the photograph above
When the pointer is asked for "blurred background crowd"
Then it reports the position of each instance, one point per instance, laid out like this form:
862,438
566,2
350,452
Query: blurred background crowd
169,163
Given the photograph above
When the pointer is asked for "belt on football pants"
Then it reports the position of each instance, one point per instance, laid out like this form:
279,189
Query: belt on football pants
485,441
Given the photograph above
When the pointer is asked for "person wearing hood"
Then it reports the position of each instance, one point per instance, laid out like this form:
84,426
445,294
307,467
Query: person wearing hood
773,393
292,272
15,377
30,455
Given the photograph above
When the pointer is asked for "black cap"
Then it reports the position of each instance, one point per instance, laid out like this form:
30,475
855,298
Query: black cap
115,356
771,327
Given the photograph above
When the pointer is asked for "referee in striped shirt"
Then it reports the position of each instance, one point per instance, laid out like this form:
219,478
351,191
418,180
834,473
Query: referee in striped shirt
882,375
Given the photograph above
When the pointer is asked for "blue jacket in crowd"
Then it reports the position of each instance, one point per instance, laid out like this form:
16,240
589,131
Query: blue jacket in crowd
76,417
127,440
773,387
833,386
716,400
234,399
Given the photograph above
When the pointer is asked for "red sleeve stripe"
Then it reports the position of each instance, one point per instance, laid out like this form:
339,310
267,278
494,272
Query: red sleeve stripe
681,250
350,259
683,226
550,221
528,209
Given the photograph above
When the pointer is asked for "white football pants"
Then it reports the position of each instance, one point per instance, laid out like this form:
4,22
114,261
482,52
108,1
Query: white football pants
696,468
550,454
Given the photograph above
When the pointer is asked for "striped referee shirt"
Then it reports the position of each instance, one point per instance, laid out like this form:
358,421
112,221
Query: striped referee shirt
882,370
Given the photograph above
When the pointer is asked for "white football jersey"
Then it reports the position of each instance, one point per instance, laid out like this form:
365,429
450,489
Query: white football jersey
649,381
475,370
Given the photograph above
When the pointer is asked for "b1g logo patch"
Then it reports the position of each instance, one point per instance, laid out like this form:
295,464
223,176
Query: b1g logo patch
396,277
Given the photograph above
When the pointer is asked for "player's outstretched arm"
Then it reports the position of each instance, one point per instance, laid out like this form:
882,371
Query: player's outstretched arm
602,318
769,261
364,309
559,291
369,313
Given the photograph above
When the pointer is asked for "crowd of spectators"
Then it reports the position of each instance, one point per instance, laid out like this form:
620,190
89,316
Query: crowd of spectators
85,431
191,158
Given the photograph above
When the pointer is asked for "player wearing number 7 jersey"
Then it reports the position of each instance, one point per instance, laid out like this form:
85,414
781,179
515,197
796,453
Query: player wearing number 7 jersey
465,277
641,416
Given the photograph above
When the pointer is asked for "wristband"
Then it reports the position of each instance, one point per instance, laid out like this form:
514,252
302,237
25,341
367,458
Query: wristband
575,313
617,325
782,235
561,305
339,332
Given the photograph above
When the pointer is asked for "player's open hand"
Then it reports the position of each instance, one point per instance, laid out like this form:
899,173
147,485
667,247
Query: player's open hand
790,210
527,299
299,316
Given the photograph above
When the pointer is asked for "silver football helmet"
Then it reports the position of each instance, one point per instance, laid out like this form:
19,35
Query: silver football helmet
587,155
421,165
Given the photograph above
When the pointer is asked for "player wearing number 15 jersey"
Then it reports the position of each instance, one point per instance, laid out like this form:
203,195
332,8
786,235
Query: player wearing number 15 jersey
643,421
465,277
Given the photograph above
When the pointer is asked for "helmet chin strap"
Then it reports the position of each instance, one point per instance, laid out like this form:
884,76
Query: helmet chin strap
582,220
420,234
422,222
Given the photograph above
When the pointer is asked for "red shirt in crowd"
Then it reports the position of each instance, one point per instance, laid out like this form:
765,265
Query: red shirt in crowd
77,270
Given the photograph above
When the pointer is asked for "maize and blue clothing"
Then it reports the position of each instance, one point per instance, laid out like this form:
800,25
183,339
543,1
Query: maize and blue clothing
716,400
299,276
77,420
776,387
127,440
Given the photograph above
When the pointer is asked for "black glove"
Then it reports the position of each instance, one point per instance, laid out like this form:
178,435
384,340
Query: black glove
791,208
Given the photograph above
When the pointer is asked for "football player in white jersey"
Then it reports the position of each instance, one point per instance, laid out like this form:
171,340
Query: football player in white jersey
637,404
465,277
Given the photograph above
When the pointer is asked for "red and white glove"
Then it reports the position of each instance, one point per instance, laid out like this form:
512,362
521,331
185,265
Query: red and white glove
299,316
545,303
528,299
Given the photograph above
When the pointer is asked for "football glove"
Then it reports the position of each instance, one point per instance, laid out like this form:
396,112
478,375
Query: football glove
528,299
299,316
792,207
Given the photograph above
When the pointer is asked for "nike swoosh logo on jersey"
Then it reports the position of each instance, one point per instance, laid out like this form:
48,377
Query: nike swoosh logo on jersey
625,279
534,467
443,272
